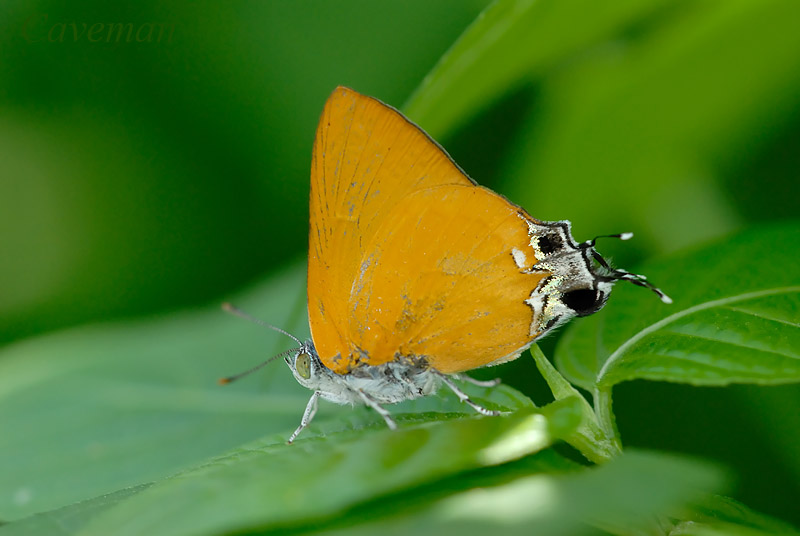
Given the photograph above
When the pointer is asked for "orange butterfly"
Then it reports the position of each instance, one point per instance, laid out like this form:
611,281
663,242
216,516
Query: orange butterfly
416,273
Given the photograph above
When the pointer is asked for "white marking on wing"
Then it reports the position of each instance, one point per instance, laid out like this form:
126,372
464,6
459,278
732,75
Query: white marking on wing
519,258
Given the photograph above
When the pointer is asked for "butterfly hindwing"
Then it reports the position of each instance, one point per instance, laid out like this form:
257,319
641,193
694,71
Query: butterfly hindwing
443,284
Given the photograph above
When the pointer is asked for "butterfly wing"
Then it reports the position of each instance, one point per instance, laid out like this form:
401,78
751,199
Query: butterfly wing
446,279
367,158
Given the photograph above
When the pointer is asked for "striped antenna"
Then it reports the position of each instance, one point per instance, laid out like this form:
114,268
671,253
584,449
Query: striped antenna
616,274
230,308
229,379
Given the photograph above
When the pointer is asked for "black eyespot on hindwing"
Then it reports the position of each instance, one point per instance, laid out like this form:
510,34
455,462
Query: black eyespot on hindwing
549,243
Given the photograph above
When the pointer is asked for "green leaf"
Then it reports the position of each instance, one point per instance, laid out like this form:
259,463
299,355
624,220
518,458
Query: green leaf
624,496
105,408
72,519
718,529
97,409
514,40
734,319
716,514
113,406
270,484
69,519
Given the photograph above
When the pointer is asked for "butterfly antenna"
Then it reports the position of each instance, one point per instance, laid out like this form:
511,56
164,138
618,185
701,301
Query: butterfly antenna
232,309
591,243
616,274
229,379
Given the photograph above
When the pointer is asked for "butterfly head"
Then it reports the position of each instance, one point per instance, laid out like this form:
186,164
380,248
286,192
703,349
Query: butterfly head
311,373
305,365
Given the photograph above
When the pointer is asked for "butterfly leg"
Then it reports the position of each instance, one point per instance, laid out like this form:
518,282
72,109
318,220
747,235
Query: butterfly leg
308,414
383,412
480,383
465,398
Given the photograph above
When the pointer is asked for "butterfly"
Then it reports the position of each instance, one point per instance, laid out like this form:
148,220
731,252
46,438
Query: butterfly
416,273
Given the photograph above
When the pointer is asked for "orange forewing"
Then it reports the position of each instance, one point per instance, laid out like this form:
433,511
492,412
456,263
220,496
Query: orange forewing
407,256
366,158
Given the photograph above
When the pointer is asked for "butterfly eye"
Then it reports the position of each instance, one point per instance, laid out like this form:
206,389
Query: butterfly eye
303,365
584,301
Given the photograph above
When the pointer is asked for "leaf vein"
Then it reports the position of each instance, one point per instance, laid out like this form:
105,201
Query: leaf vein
730,343
624,347
761,315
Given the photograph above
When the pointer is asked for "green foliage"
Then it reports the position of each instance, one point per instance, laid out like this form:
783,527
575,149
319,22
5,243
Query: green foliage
509,43
733,320
147,176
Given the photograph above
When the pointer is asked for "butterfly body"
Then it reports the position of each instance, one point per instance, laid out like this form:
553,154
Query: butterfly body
387,383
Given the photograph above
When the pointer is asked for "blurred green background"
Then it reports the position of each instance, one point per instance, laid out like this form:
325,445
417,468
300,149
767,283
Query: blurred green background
169,170
144,176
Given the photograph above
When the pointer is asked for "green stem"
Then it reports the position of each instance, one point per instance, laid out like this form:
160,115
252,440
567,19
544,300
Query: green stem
589,438
605,416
